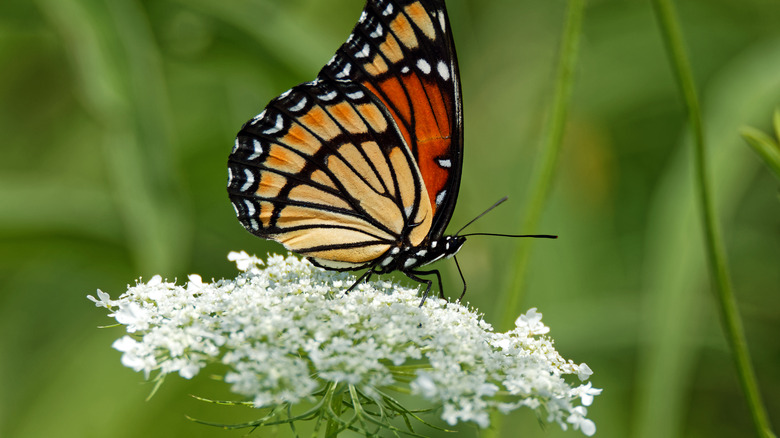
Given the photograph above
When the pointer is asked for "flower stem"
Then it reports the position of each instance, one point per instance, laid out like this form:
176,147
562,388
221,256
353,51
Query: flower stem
716,256
336,398
544,169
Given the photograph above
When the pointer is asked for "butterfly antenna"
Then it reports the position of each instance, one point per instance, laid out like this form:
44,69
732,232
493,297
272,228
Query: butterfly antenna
482,214
499,202
541,236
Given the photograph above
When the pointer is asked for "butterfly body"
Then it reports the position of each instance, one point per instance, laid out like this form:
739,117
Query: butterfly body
408,259
360,168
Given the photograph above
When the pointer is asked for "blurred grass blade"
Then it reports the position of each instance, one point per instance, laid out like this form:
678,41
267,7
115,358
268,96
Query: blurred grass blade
508,304
674,328
274,29
121,81
776,123
765,146
716,256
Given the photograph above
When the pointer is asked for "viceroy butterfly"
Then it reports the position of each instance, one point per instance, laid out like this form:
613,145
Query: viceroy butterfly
360,168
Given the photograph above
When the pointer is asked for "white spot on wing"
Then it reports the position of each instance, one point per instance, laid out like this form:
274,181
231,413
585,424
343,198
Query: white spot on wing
444,71
299,106
445,163
276,128
356,95
442,21
377,32
258,117
409,262
329,96
253,224
440,197
386,261
363,17
235,146
364,52
388,10
258,150
344,72
405,69
285,94
424,66
234,207
250,179
250,208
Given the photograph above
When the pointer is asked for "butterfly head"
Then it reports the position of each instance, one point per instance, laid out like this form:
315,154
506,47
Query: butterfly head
445,247
408,258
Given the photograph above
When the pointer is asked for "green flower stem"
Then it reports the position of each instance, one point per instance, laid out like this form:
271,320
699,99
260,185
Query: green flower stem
336,400
544,170
714,245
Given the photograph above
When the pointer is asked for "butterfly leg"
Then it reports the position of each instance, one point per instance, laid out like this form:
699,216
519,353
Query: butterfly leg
463,279
429,283
366,276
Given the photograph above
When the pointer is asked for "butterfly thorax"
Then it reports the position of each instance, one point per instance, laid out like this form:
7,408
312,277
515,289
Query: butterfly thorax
407,258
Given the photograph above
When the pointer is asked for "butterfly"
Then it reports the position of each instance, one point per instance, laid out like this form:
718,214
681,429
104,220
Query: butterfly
360,168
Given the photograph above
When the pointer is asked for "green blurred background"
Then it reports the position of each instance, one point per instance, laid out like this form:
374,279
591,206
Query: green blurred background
117,116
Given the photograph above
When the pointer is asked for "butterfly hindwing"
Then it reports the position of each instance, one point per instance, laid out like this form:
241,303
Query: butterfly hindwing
325,171
402,52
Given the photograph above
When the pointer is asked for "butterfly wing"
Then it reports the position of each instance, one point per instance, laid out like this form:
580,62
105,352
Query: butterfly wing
403,52
325,171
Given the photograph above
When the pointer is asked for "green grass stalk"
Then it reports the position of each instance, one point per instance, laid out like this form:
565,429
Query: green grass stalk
508,305
716,256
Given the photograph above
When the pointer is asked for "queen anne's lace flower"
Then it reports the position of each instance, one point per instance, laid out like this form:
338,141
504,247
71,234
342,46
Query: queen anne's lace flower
286,330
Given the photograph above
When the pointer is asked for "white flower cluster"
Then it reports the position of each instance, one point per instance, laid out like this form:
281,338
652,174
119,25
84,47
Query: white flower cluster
285,329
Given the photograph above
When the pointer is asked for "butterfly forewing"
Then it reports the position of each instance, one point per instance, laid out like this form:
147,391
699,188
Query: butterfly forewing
402,52
325,171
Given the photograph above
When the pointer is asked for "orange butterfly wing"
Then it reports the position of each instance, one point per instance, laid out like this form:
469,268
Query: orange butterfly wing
361,167
325,171
402,51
